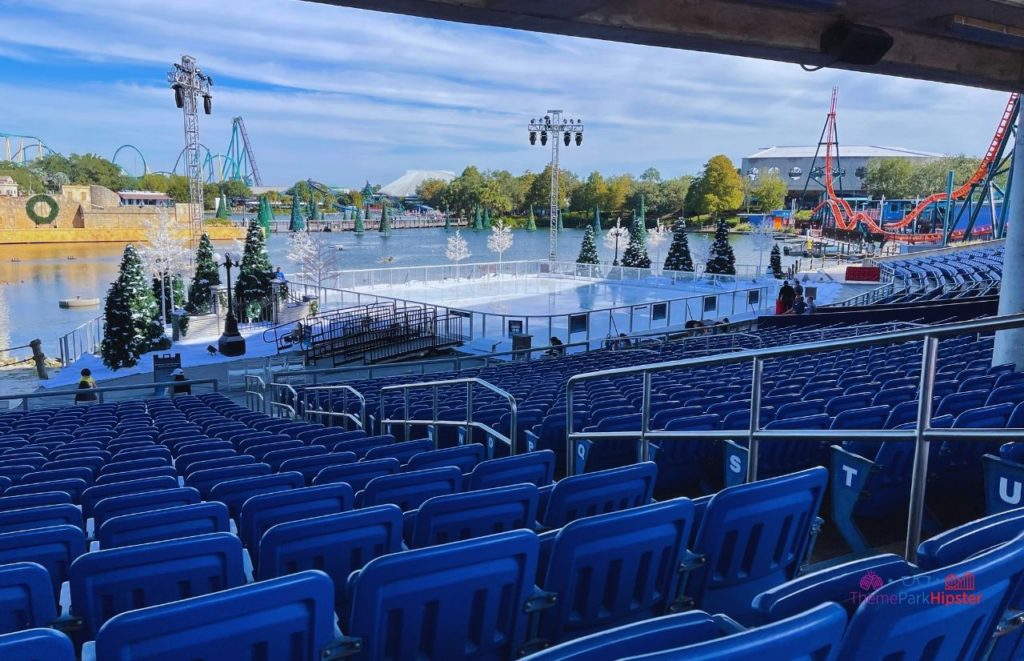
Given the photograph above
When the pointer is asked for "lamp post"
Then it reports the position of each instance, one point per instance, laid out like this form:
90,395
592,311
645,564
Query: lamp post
231,342
553,123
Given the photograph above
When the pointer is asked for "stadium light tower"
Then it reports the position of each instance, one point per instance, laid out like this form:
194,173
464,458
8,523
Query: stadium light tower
189,83
554,126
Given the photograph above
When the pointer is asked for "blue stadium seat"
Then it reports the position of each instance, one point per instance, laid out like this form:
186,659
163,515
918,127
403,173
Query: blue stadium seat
281,618
41,517
357,474
337,544
607,491
134,465
234,493
276,458
463,457
8,503
158,524
537,468
53,548
460,516
26,597
754,536
611,569
205,480
74,487
142,502
697,635
311,465
410,490
44,475
36,645
144,473
685,462
262,511
107,583
464,600
402,451
360,446
94,494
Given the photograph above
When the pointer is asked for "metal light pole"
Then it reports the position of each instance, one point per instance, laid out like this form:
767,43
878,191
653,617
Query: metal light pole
231,342
189,83
553,123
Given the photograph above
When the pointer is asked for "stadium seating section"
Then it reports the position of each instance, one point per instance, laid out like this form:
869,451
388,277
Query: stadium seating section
194,528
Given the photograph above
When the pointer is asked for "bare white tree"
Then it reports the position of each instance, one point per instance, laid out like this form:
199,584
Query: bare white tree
700,251
655,238
457,250
500,239
616,239
762,237
166,257
316,258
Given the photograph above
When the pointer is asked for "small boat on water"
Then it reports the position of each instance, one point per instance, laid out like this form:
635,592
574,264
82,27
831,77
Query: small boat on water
78,302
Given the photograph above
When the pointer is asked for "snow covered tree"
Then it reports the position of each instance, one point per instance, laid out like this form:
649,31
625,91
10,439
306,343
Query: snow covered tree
588,250
297,223
679,258
207,275
636,252
531,223
616,239
359,227
775,262
457,250
500,239
255,273
721,260
314,256
385,222
130,324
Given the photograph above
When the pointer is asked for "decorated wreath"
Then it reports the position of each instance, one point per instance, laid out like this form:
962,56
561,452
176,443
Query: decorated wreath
51,204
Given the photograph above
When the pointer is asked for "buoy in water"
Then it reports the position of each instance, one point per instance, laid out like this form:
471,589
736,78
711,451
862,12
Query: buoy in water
78,302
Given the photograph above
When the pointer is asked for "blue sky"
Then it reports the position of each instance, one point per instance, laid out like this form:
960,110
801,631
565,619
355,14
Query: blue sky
345,95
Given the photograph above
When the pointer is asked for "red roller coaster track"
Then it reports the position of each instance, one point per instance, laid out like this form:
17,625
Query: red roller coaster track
847,219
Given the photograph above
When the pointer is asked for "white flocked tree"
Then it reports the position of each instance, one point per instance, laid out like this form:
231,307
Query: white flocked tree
500,239
457,250
315,257
166,257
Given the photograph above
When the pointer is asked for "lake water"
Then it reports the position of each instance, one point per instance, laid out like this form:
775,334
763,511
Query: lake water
34,277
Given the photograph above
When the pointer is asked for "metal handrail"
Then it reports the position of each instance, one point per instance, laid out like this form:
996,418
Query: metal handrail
922,435
796,336
468,423
319,413
99,392
276,404
255,387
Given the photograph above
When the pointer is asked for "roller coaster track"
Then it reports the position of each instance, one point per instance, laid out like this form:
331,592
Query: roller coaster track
848,219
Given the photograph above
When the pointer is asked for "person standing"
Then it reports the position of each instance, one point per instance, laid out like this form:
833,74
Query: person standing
786,295
812,307
184,389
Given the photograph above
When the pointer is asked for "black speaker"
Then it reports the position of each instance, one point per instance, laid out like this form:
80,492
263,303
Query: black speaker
855,44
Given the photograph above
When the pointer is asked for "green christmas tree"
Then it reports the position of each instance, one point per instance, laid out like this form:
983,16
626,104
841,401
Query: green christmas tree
311,209
359,226
447,219
588,251
679,258
560,225
487,219
222,208
265,215
531,224
131,325
636,252
385,222
298,223
478,220
255,273
200,298
775,262
721,260
597,220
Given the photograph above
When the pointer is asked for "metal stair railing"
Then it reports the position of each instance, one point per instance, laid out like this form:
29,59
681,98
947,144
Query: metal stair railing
922,436
255,393
314,411
468,424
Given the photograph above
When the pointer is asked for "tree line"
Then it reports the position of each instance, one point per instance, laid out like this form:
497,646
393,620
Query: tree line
903,178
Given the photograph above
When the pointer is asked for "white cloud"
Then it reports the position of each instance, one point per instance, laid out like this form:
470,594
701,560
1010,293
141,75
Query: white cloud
344,95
